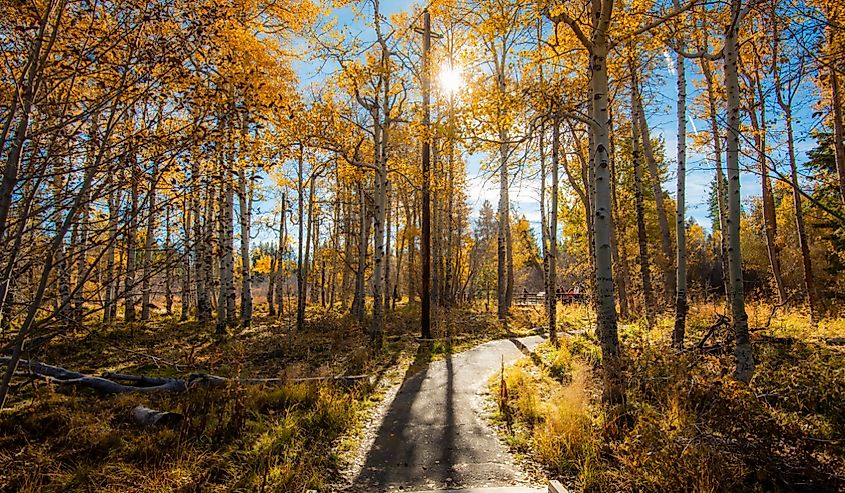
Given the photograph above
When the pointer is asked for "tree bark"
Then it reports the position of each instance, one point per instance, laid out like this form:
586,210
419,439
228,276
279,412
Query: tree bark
742,348
680,211
551,291
131,234
838,128
603,219
300,260
226,315
146,268
190,250
769,219
721,193
245,206
642,240
665,260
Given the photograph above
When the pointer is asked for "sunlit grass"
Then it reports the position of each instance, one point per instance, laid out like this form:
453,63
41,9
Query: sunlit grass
686,426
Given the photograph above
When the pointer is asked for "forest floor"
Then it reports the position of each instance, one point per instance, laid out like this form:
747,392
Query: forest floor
289,437
686,424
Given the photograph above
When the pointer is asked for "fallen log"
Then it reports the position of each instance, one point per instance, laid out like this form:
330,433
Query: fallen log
109,383
145,416
100,384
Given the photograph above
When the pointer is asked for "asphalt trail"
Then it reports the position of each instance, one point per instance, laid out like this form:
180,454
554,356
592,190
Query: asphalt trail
433,435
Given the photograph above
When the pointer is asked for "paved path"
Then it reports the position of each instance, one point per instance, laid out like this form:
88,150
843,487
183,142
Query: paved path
433,436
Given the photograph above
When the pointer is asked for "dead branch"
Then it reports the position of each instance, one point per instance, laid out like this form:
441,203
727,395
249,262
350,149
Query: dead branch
722,321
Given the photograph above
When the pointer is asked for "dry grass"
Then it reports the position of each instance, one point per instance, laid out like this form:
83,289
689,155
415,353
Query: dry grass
687,426
285,438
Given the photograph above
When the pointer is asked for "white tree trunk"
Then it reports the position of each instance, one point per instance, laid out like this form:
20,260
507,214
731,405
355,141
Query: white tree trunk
680,211
245,205
742,349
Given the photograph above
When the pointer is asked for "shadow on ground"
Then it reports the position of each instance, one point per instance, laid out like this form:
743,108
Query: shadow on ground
432,435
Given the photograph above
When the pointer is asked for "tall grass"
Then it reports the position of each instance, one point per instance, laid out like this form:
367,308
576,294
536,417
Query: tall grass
686,425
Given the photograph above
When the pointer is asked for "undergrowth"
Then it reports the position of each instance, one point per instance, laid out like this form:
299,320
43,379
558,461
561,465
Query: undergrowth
686,424
292,437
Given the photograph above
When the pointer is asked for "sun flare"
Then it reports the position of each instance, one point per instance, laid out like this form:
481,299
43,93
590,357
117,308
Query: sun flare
450,80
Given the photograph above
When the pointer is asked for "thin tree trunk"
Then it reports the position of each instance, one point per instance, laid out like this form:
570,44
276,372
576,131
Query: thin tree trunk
665,260
271,285
109,297
387,253
785,96
300,261
245,206
642,240
838,128
620,262
201,242
131,233
680,211
168,268
721,192
769,219
281,277
81,263
502,264
363,235
551,292
148,245
190,250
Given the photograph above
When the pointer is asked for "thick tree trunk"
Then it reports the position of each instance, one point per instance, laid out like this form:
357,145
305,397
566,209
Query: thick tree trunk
742,348
226,316
603,219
